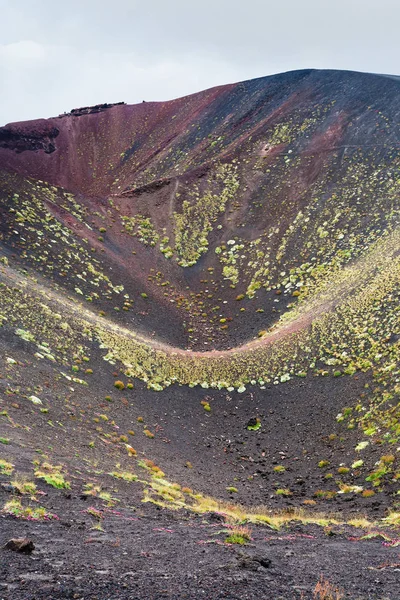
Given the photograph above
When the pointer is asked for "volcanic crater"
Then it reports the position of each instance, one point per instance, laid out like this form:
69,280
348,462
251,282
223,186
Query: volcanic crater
200,332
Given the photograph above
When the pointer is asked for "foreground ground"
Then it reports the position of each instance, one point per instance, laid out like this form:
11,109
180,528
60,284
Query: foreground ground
118,528
146,552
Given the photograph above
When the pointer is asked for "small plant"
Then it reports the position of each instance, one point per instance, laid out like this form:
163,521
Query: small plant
279,469
15,508
206,405
368,493
393,518
140,419
238,535
324,590
4,440
24,487
155,470
95,512
387,459
6,468
129,386
148,433
231,489
283,492
326,494
106,496
119,385
254,424
91,489
323,463
361,445
349,489
52,476
343,470
382,469
125,475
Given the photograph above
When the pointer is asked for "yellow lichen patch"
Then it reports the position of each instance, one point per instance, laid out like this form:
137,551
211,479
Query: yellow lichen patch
195,221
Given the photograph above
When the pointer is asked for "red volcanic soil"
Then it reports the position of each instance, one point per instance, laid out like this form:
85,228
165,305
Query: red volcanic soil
86,151
91,144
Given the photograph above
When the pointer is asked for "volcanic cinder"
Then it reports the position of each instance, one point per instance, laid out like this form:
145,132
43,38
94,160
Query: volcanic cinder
204,291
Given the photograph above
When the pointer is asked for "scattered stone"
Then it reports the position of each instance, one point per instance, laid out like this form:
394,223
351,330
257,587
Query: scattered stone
21,545
215,517
254,562
264,561
248,563
35,577
7,487
102,572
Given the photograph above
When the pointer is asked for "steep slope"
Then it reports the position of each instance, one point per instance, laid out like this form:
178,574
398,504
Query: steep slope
297,172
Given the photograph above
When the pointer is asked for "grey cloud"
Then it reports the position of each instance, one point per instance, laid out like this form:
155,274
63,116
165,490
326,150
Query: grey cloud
55,56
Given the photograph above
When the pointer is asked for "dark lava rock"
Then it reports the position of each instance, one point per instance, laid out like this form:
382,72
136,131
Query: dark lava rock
21,545
7,487
215,517
254,562
20,138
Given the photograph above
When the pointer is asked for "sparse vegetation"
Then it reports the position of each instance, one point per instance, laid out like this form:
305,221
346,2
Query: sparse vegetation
238,535
6,468
52,475
15,508
324,590
240,244
24,487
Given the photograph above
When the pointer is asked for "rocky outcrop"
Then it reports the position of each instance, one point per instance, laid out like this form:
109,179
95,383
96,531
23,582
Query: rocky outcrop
89,110
19,139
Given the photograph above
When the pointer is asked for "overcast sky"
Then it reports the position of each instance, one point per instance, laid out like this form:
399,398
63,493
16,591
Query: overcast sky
56,55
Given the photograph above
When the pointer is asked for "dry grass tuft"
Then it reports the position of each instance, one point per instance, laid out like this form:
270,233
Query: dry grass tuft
324,590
